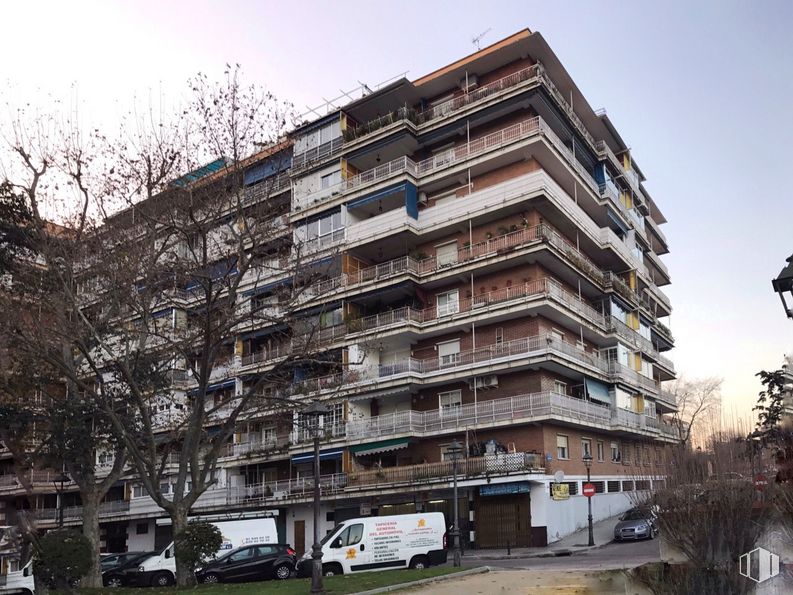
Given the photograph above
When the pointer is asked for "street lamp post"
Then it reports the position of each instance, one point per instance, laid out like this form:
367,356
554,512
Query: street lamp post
61,479
588,465
454,450
314,412
784,284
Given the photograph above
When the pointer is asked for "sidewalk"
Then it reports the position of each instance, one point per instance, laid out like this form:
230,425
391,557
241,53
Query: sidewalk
603,532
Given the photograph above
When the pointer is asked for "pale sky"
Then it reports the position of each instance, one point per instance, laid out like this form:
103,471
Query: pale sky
701,91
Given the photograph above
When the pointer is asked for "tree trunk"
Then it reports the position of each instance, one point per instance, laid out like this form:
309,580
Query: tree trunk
184,573
93,578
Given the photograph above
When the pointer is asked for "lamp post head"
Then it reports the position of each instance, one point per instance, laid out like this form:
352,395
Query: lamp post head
587,460
316,409
454,449
784,284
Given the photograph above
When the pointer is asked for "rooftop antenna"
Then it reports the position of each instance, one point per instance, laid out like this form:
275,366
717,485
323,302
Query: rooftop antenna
478,38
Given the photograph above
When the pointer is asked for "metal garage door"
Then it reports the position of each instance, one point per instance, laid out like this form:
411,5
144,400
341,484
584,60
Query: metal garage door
503,521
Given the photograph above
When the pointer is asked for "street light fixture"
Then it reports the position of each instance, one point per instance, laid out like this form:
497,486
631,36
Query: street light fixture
784,284
588,465
314,412
61,479
454,450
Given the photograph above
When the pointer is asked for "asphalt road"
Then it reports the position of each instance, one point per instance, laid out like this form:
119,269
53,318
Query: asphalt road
610,556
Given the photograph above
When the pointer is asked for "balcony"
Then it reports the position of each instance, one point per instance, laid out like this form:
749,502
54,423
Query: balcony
318,153
267,189
508,410
447,108
467,468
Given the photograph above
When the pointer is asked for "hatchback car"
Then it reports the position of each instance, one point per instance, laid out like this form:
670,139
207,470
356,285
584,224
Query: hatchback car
637,523
116,576
250,563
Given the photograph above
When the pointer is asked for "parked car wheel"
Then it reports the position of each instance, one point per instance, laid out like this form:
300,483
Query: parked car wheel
162,579
419,563
114,582
211,578
332,570
283,572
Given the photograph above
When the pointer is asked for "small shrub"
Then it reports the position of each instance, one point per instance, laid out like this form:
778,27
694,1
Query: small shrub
63,556
198,542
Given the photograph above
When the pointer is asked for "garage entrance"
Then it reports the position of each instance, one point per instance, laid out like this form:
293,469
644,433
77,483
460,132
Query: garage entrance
503,520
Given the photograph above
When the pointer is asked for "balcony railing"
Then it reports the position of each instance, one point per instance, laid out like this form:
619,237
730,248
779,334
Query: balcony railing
267,188
498,464
446,108
525,407
323,151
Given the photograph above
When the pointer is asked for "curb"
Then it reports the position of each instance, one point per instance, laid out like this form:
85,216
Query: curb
426,581
553,554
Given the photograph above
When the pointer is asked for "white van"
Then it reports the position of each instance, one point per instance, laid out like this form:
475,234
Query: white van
19,581
160,570
381,543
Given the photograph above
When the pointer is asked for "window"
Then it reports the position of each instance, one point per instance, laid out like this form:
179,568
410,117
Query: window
446,254
600,450
637,455
265,550
448,353
329,180
614,486
560,387
499,335
350,536
557,334
586,447
649,408
450,399
138,491
615,452
141,528
448,303
242,555
562,451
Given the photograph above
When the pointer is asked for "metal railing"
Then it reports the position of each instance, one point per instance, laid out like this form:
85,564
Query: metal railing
323,151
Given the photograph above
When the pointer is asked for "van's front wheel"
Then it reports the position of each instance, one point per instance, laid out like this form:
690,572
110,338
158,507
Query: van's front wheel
332,569
419,563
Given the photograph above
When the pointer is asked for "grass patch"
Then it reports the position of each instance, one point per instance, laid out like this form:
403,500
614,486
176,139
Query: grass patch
334,585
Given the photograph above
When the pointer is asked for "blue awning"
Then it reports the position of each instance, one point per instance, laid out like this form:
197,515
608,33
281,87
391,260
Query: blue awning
324,455
265,288
263,332
264,170
219,386
377,195
597,390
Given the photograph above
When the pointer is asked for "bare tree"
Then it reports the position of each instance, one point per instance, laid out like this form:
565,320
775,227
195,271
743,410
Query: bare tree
48,420
707,520
698,400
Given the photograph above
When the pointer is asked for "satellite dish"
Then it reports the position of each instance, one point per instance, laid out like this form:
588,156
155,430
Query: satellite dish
559,476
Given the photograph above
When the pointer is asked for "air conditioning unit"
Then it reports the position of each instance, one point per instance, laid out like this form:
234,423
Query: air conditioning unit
422,198
484,382
473,82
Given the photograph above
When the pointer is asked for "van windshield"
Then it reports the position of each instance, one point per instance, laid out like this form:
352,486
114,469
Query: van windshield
335,530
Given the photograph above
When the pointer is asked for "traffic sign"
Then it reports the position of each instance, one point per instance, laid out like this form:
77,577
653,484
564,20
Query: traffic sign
588,489
760,482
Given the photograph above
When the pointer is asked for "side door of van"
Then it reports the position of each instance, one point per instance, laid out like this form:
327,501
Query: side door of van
351,550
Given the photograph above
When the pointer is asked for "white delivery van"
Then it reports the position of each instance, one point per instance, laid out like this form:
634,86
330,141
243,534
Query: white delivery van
160,570
18,581
382,543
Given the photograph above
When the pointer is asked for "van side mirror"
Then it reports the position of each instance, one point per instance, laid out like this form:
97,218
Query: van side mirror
26,571
336,543
167,553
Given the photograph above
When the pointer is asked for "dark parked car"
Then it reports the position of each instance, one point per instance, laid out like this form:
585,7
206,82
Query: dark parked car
637,523
250,563
116,576
111,561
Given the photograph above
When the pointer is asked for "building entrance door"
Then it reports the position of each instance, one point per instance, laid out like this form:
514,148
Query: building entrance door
300,537
503,521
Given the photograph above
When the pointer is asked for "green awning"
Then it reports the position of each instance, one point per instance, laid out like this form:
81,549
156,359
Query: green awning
381,446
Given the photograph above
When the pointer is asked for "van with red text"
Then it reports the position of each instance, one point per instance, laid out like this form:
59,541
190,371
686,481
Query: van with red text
381,543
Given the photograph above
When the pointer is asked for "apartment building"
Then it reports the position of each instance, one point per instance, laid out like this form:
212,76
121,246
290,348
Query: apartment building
490,273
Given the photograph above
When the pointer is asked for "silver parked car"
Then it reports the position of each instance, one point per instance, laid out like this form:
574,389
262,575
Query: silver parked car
637,523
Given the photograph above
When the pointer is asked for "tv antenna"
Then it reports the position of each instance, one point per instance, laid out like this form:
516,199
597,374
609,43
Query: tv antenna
478,38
